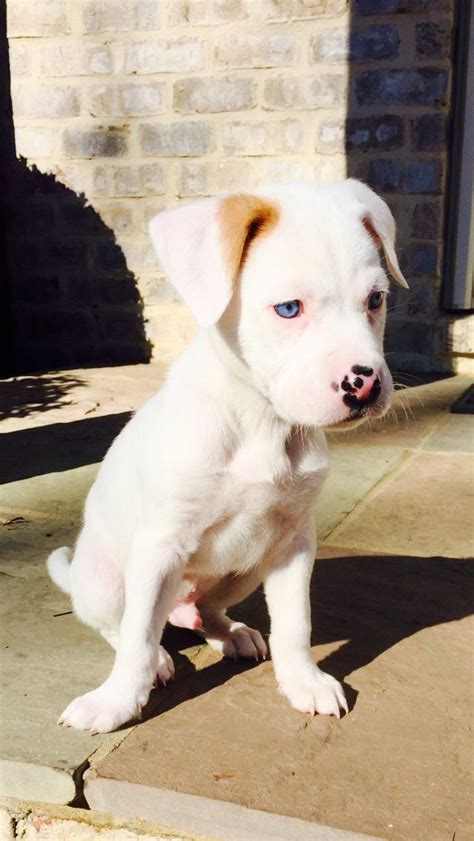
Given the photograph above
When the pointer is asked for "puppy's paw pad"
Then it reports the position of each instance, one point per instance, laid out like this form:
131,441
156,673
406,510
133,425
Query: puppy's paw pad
315,692
165,667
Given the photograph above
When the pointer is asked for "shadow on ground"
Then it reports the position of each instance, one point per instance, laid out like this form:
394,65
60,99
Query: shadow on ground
19,397
373,602
57,446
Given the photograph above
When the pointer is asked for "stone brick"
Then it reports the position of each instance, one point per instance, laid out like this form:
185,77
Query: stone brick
139,100
422,295
116,181
177,56
125,100
120,15
380,7
424,86
139,253
374,133
177,139
69,58
276,10
33,141
46,101
373,43
362,134
433,39
419,258
152,179
193,180
149,208
74,176
254,50
20,59
406,176
108,16
429,132
331,136
322,91
94,143
410,337
211,95
282,169
117,215
147,14
157,289
36,20
426,220
102,181
285,136
207,179
206,12
102,101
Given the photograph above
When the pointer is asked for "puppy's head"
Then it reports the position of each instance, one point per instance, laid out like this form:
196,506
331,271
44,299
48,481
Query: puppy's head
292,279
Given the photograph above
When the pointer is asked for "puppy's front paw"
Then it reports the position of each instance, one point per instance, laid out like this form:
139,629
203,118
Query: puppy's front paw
310,690
104,709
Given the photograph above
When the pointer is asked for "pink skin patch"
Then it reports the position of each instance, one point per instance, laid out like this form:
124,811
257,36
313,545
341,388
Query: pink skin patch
186,615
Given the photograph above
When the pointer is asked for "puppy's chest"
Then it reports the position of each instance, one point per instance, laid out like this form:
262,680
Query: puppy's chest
256,512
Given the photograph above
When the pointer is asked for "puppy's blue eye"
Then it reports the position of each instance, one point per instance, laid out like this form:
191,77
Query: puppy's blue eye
288,309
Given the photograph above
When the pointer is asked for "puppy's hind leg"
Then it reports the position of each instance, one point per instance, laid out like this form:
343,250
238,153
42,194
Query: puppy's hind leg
153,574
232,639
97,587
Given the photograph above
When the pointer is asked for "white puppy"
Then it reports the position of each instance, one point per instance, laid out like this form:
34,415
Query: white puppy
209,490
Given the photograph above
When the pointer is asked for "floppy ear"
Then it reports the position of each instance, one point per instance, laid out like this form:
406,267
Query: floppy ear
202,246
380,224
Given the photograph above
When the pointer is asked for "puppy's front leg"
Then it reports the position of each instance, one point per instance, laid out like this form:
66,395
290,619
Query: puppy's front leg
152,577
308,689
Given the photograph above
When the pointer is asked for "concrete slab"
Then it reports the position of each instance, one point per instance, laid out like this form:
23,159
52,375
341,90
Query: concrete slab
353,473
373,616
396,630
456,434
425,508
47,658
224,821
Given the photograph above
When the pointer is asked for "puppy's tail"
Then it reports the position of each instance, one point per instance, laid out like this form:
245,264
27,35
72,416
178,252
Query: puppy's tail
58,565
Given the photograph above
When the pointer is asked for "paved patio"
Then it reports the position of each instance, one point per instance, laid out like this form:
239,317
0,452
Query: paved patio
219,753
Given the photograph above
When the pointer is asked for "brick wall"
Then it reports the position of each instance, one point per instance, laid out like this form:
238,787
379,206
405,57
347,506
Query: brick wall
139,104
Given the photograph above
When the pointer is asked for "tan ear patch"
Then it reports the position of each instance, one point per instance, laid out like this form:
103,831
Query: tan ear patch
388,250
367,223
242,217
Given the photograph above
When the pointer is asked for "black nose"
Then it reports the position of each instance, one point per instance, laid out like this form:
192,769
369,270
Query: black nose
357,394
362,370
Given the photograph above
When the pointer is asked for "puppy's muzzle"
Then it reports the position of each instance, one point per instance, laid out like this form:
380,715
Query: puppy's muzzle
361,389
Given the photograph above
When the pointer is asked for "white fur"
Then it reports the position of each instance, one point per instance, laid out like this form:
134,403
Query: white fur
208,491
